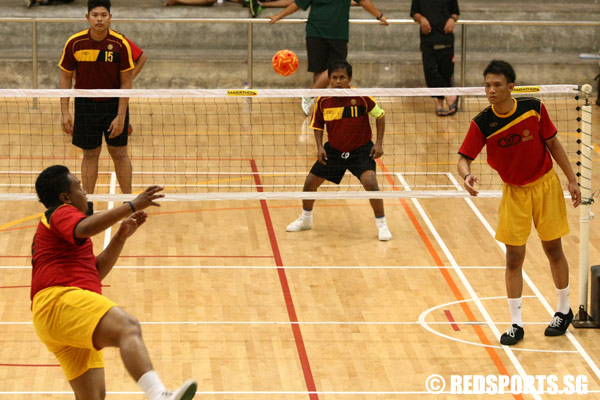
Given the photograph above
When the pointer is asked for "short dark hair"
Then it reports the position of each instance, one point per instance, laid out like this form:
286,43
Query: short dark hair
340,64
50,183
98,3
501,67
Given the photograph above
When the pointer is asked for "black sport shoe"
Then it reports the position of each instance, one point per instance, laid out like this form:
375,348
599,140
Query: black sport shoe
559,324
255,8
512,335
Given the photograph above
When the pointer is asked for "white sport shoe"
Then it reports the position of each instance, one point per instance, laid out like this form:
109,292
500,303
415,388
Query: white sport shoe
384,233
307,105
187,391
301,224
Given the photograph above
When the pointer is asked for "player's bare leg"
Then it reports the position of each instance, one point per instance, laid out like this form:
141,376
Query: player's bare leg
123,167
560,274
369,181
89,169
304,222
515,255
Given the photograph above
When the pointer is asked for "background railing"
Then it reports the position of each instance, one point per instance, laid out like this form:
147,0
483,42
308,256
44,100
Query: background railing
461,33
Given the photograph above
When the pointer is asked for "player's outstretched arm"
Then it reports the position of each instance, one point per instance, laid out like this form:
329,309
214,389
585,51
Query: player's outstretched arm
108,257
101,221
559,154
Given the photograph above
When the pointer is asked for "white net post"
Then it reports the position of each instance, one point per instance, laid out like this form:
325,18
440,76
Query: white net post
585,182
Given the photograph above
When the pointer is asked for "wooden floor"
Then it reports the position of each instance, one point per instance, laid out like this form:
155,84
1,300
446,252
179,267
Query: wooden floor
225,295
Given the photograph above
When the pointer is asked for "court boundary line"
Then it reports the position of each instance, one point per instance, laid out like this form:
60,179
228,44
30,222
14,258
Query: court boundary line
477,301
287,294
538,294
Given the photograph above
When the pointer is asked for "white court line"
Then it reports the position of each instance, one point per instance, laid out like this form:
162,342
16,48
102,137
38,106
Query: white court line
111,204
530,283
467,285
455,339
192,267
274,393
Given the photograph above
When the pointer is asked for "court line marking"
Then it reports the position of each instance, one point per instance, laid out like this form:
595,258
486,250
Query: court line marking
111,204
425,325
532,286
279,393
309,380
192,267
515,362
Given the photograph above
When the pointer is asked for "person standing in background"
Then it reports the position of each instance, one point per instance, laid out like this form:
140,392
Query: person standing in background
437,19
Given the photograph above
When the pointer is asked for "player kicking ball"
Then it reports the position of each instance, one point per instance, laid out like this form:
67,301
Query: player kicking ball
349,146
70,314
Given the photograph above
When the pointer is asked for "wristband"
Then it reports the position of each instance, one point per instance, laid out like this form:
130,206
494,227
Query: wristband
466,176
131,205
380,16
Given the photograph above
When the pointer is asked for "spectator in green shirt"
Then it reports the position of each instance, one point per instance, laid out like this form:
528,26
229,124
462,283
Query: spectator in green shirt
327,31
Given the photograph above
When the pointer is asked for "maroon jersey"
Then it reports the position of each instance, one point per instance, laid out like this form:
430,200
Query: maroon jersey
515,141
98,63
58,257
347,120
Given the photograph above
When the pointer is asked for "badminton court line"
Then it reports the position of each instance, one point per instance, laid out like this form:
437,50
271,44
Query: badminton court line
529,282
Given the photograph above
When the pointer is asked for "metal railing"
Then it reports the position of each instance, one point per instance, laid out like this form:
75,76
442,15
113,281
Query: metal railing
251,21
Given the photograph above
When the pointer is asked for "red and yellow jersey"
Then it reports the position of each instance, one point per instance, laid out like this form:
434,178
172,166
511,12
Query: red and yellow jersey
58,257
515,141
98,63
346,119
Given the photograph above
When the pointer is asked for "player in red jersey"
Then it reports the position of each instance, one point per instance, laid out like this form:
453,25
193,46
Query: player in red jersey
102,59
521,142
70,314
349,146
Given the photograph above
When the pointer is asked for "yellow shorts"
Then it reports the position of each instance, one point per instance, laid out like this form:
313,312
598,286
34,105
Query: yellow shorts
542,201
65,319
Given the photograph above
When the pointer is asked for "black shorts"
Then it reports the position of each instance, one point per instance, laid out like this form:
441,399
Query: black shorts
356,161
322,52
92,120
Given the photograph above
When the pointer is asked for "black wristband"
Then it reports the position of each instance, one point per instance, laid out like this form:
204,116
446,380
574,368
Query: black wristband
131,205
380,16
466,176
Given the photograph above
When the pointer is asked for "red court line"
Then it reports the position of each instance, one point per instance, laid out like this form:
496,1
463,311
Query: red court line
451,319
287,295
448,278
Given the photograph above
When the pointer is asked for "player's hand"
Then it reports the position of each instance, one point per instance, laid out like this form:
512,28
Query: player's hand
449,27
469,184
425,26
376,151
67,123
130,224
116,126
147,197
573,188
322,156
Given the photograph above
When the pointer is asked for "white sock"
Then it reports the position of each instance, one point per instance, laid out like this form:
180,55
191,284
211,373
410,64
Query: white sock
151,384
514,305
380,221
307,214
563,300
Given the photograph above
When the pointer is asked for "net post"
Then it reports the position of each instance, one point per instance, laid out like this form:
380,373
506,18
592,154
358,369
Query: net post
583,319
